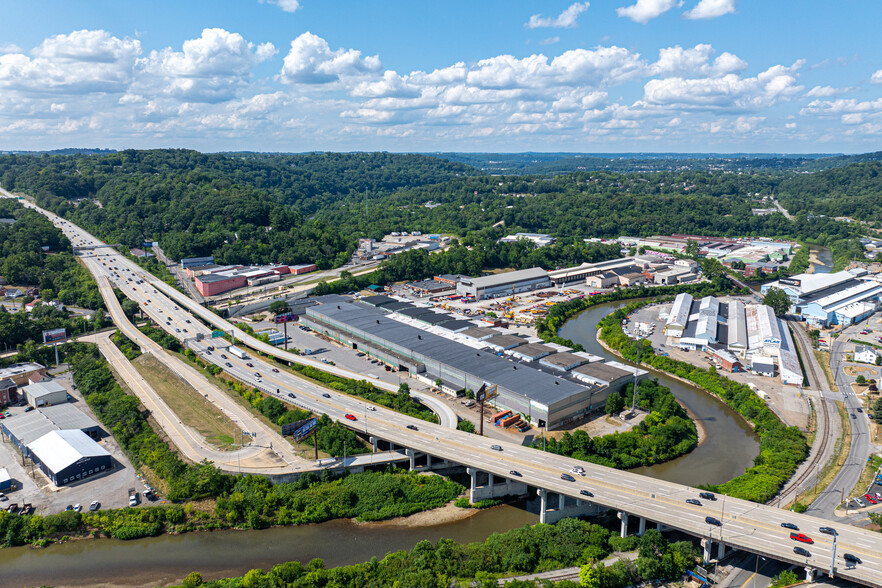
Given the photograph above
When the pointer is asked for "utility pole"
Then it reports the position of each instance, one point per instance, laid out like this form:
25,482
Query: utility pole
286,335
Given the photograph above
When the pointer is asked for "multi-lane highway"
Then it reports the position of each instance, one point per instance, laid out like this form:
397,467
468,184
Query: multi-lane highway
744,525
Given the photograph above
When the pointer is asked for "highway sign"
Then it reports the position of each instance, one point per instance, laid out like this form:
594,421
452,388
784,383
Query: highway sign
300,429
216,334
54,335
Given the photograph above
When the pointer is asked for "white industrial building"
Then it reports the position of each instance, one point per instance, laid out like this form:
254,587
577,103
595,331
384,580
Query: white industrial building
748,332
507,284
45,394
68,456
841,298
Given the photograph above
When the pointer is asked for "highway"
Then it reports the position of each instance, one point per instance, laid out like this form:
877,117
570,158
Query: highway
744,525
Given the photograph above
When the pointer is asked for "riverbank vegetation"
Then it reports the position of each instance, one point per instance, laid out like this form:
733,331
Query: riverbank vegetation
782,448
526,550
666,432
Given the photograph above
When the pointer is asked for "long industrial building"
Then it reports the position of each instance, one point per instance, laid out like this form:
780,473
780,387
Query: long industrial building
507,284
733,330
841,298
546,389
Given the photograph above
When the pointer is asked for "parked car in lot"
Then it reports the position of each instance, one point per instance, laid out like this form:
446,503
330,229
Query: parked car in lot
3,497
859,502
801,537
870,499
95,505
77,507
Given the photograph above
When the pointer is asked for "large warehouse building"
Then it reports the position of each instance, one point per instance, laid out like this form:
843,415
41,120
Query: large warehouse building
841,298
507,284
68,456
537,386
750,332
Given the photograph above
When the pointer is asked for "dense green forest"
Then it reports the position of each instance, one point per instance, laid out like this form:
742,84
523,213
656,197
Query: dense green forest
253,208
854,191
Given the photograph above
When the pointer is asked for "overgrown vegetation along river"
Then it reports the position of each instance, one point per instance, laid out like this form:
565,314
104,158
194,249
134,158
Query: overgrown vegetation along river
730,444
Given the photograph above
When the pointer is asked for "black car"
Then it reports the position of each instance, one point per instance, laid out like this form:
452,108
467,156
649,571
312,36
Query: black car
567,477
694,501
713,521
707,495
515,473
326,395
852,559
859,409
585,493
412,427
828,531
228,364
802,551
291,395
790,526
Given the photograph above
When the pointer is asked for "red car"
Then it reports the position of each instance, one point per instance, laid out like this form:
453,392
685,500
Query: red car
351,417
801,537
870,498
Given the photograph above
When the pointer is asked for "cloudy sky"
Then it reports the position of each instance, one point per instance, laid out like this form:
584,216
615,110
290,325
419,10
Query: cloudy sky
427,75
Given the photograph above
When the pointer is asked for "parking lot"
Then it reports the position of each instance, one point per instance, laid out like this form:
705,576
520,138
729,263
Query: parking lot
32,486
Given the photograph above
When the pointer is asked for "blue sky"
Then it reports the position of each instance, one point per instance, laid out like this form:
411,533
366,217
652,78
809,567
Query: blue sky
487,75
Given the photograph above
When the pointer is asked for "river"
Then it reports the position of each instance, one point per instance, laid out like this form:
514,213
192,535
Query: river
822,259
160,561
730,445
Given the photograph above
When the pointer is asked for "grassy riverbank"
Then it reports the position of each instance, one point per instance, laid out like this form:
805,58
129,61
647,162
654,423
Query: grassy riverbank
530,549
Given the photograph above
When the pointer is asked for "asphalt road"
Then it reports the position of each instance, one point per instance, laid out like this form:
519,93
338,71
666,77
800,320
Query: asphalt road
744,525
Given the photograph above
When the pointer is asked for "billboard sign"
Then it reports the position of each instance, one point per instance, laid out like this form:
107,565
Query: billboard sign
790,282
300,430
287,317
54,335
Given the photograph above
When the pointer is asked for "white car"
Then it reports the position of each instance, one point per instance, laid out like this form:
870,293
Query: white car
95,505
859,503
371,408
578,470
77,507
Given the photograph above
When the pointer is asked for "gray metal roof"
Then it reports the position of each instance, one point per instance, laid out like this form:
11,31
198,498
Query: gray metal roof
457,325
508,278
433,318
41,389
60,449
378,300
67,416
534,350
481,332
506,341
396,306
32,425
564,360
6,383
414,311
601,371
520,379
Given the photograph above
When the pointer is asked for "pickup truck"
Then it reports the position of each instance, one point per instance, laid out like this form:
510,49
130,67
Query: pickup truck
133,497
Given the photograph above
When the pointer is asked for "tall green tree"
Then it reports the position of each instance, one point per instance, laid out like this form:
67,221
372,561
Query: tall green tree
778,300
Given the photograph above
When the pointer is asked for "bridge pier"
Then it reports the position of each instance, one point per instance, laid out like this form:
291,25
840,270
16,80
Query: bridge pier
809,574
624,516
506,487
412,455
706,545
549,515
374,441
641,528
721,550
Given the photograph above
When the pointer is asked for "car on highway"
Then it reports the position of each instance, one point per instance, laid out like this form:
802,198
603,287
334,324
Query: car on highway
291,395
578,470
412,427
228,364
496,447
801,537
275,370
567,477
249,364
326,395
802,551
859,409
223,356
177,330
854,416
713,521
515,473
371,408
584,492
790,526
852,559
707,495
257,375
828,531
694,501
351,417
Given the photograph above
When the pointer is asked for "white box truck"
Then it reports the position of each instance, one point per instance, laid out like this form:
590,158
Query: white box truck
237,352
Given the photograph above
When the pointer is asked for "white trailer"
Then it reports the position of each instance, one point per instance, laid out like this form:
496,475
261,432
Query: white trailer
237,352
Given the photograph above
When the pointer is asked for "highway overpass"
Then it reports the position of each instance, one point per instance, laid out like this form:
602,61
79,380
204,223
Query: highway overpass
743,525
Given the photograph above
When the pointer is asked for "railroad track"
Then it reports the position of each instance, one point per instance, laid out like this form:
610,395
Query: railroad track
793,485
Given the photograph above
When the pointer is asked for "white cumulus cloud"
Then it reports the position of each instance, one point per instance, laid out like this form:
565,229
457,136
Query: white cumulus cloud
311,61
646,10
710,9
876,78
565,20
208,69
286,5
825,91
